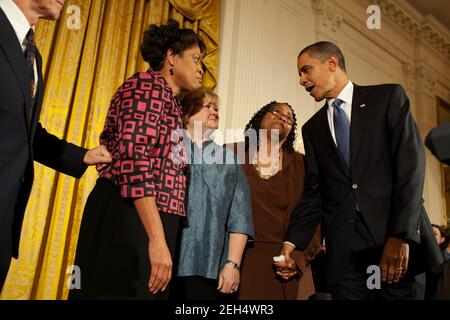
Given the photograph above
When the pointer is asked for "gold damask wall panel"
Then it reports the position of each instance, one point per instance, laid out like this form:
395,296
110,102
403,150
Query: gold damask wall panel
138,27
205,13
83,68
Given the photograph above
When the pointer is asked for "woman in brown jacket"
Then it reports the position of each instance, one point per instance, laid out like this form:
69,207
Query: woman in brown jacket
275,174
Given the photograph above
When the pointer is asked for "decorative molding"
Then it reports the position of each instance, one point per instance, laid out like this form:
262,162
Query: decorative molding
420,77
426,79
410,75
405,20
329,16
425,28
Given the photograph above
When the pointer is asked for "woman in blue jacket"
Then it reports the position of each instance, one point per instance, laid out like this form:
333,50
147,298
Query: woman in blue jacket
219,220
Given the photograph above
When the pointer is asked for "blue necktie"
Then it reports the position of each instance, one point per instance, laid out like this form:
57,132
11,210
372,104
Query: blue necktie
342,131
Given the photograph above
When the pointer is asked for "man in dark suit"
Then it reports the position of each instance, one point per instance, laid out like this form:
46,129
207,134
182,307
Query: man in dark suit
22,138
364,182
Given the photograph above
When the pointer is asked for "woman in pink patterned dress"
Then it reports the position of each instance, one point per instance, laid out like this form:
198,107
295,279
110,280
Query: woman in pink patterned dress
130,223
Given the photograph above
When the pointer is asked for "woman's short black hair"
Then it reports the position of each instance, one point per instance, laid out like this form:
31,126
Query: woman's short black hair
160,38
255,124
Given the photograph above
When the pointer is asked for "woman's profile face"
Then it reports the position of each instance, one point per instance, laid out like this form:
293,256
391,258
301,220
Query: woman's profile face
437,233
188,72
280,118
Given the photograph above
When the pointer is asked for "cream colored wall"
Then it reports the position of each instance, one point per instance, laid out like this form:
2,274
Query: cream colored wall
259,48
260,41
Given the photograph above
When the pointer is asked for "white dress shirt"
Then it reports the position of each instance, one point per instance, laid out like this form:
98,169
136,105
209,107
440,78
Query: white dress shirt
20,25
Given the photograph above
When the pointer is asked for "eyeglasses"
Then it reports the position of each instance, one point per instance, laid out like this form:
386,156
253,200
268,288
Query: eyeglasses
286,118
197,59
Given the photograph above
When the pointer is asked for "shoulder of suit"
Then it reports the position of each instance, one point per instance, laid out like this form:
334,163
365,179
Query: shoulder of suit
314,118
381,87
393,91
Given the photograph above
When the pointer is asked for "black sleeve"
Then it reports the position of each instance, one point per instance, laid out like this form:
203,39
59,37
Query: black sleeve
58,154
409,169
308,211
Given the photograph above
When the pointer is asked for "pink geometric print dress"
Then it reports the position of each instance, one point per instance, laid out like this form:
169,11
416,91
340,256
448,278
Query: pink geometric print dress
142,132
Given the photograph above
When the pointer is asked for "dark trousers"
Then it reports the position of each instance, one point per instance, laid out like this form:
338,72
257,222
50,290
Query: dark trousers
194,288
353,285
112,250
5,250
5,260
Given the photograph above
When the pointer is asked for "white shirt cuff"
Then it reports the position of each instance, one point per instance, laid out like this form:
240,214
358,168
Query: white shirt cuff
288,242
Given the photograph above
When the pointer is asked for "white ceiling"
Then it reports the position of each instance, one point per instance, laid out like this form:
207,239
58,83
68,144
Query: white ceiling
440,9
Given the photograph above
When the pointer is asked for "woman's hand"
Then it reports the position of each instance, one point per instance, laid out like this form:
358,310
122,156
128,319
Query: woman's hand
158,251
229,279
161,264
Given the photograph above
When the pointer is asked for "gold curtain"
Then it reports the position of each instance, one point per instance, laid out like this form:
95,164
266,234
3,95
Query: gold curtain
83,67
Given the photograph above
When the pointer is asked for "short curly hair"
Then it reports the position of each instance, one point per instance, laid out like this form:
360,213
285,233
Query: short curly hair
255,124
160,38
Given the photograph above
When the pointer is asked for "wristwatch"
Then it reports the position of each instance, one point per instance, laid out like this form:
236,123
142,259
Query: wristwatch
235,265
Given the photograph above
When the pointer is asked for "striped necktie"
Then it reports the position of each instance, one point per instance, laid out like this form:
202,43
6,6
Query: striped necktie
30,54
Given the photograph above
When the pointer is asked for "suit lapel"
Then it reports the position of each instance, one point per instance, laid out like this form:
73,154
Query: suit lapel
323,129
15,56
360,109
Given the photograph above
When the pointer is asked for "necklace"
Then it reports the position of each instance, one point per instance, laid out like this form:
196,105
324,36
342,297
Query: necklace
267,173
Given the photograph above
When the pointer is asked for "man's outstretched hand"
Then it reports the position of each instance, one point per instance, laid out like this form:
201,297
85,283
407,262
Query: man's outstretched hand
98,156
287,268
